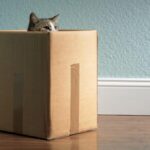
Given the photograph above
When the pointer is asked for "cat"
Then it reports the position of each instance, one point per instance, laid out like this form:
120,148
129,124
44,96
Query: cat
42,24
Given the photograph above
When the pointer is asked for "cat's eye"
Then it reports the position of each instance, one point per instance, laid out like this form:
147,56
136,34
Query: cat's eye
47,27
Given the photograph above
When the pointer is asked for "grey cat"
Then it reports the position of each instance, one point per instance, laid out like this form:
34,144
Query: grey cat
42,24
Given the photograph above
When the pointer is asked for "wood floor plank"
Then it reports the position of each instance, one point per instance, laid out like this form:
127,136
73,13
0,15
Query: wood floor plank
124,133
113,133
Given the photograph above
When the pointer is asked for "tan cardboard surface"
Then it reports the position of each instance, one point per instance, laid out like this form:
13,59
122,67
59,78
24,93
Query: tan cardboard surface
48,82
67,49
22,83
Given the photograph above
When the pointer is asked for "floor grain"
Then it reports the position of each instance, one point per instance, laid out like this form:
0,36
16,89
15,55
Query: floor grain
124,133
113,133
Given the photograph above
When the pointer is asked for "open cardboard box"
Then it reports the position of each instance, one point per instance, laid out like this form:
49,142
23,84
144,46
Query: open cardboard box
48,82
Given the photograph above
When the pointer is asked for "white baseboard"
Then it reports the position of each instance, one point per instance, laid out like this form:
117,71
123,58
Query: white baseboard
124,96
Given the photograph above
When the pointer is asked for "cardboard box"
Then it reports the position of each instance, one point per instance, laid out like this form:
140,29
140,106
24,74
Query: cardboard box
48,82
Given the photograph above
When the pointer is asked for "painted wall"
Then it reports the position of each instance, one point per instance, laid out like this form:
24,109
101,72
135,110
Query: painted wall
123,26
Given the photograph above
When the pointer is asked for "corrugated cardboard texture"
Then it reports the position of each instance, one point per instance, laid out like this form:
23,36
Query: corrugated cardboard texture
48,82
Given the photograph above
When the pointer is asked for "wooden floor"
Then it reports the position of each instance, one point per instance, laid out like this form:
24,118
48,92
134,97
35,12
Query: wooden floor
114,133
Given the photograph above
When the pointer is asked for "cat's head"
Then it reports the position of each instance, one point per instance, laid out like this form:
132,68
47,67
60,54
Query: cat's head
42,24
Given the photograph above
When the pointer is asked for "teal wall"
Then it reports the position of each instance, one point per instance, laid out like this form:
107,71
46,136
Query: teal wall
123,26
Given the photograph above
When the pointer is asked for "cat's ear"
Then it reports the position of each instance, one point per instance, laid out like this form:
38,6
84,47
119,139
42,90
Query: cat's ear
33,18
55,18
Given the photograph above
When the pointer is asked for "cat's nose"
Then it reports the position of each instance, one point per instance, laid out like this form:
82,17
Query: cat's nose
47,28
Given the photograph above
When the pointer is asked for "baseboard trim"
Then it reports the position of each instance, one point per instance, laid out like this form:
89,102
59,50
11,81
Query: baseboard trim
123,96
129,82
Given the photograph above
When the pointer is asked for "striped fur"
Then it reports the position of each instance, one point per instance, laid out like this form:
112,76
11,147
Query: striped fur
42,24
